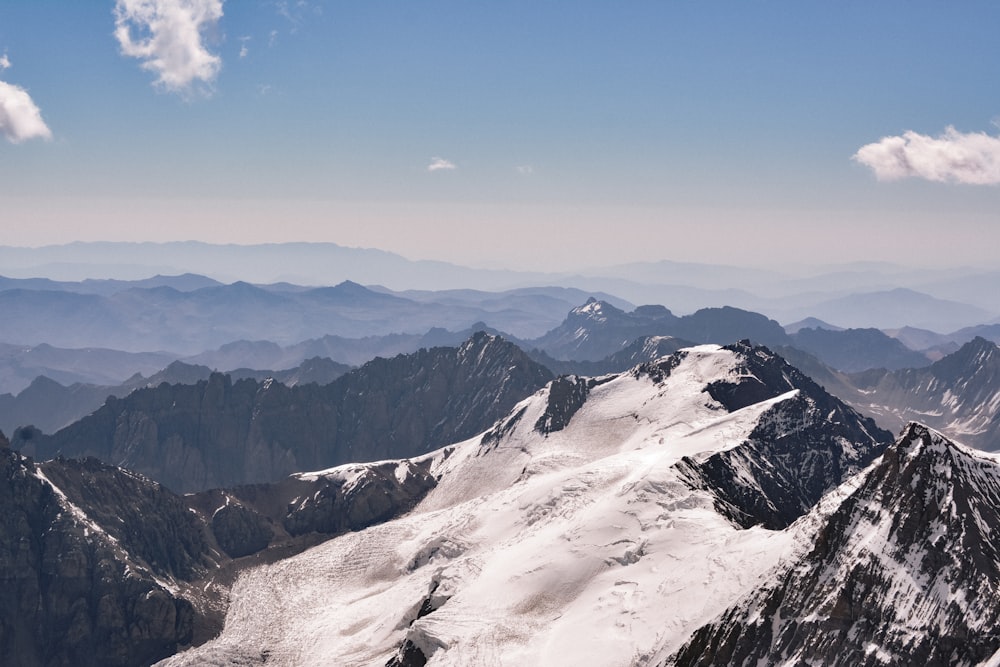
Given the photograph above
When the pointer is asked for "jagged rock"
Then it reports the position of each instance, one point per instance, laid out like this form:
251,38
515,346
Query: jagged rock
796,452
240,531
357,497
567,394
955,394
71,592
903,569
220,433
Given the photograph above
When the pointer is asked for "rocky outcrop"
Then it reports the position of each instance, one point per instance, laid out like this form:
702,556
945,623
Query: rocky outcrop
221,433
101,566
794,455
903,570
78,588
956,394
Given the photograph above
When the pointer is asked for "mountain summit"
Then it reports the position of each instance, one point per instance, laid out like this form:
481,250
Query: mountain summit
901,568
597,508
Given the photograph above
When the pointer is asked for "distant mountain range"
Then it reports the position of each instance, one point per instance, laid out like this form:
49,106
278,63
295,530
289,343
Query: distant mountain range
863,295
188,322
594,338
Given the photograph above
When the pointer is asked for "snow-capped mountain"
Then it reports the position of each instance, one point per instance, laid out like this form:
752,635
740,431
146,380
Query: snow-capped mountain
900,566
601,522
958,395
597,329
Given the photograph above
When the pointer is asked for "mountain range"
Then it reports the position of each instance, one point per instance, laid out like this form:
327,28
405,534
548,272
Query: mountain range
865,295
714,506
503,475
577,529
221,432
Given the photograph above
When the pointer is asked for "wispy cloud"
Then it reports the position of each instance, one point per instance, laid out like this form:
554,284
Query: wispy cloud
439,164
954,157
20,118
244,50
525,169
168,37
297,12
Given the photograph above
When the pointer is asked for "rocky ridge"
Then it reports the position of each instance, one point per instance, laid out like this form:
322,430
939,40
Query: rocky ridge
104,567
220,433
901,567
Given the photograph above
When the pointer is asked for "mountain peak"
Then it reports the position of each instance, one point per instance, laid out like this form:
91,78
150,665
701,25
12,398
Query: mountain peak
598,311
903,566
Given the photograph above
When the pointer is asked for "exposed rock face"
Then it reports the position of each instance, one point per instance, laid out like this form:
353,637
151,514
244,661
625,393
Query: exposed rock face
240,531
794,455
220,433
567,394
50,406
73,592
904,569
100,566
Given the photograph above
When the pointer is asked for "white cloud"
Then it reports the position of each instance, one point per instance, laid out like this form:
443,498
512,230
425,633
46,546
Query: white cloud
439,163
167,36
20,118
954,157
525,169
4,62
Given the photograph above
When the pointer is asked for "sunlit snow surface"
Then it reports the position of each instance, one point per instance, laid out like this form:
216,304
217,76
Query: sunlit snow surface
579,547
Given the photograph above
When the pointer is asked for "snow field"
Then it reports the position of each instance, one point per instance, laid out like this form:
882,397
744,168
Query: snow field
579,547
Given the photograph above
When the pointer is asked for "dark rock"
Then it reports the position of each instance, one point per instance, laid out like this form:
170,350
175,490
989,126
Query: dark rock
801,448
903,572
567,394
409,655
70,591
220,433
240,531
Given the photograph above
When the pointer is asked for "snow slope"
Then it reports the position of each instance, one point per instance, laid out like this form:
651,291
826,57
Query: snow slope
584,544
899,567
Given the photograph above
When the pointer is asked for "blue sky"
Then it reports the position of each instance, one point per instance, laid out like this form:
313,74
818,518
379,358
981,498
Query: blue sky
561,134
